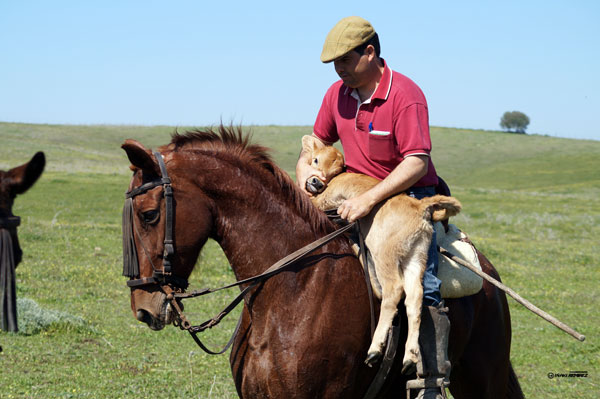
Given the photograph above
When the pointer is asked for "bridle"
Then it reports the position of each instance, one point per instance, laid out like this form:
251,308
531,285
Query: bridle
9,222
174,286
164,276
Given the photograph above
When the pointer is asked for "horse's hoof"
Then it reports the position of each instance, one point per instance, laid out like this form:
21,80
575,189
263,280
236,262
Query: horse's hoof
409,367
372,358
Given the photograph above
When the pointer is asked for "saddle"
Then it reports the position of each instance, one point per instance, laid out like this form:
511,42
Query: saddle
457,280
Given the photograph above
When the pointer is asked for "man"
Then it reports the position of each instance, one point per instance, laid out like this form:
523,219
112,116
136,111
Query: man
381,119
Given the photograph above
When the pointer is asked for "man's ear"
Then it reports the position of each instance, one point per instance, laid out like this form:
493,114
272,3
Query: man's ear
370,51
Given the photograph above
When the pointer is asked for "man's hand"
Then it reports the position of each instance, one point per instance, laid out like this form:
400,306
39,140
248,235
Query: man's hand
357,207
303,172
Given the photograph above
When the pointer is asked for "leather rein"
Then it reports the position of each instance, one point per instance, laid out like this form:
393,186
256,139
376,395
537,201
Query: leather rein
174,286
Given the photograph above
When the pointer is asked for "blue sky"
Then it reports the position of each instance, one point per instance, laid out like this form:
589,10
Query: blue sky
194,63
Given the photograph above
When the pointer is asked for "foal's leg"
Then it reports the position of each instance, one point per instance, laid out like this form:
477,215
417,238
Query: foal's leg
392,287
413,275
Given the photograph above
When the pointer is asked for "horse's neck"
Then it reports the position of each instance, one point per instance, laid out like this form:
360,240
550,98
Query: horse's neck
257,232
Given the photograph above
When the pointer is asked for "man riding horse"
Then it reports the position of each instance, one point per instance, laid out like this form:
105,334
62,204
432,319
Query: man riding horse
381,118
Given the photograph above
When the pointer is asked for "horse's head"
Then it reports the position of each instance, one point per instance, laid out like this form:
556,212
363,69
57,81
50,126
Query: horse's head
163,231
12,183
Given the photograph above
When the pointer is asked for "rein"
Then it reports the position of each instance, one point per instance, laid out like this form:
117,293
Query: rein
274,269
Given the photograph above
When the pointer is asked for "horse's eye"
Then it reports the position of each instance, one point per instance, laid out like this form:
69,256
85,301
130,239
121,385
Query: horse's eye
151,217
316,161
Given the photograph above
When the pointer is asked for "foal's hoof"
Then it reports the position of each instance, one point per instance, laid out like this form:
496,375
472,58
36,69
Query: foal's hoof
409,367
373,358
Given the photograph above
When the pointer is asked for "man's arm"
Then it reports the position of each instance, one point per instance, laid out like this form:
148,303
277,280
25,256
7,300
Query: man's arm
407,173
304,170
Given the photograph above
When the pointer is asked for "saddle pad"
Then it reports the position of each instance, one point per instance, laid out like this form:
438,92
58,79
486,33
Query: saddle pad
457,280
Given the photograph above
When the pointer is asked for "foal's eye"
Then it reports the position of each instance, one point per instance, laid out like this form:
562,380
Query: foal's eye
151,217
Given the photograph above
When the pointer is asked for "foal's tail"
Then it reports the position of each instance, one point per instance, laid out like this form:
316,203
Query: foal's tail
514,389
440,207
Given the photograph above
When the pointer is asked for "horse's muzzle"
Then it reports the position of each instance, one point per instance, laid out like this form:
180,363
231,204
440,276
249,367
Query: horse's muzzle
166,316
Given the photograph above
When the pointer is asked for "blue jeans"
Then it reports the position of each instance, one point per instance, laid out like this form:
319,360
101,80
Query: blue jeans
431,284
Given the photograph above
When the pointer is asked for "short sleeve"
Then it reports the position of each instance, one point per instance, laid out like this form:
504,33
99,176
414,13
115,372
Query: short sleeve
411,130
325,127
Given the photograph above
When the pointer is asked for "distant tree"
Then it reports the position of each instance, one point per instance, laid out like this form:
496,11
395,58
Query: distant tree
514,121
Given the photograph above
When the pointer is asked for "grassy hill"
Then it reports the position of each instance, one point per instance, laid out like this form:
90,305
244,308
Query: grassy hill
530,204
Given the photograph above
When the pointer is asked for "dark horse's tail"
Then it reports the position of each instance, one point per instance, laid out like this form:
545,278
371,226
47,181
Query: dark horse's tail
514,389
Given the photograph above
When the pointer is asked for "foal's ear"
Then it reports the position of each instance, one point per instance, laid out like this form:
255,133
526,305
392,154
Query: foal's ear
310,144
21,178
140,157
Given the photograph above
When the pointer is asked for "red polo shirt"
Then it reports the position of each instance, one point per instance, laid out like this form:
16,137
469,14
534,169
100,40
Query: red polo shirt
381,132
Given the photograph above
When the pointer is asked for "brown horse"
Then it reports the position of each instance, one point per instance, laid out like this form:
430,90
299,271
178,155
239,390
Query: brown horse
305,332
12,183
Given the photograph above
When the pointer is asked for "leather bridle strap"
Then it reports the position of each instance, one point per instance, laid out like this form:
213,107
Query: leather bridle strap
169,250
165,275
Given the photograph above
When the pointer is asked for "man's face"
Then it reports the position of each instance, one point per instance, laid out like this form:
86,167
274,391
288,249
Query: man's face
352,69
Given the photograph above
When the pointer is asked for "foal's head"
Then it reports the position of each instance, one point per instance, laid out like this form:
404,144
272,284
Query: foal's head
12,183
324,158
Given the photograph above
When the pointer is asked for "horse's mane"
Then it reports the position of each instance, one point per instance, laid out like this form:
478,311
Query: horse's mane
229,142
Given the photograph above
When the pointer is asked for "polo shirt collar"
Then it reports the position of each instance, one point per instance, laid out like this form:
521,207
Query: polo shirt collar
383,89
385,84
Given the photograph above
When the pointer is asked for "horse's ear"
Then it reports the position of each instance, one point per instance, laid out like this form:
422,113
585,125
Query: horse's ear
140,157
21,178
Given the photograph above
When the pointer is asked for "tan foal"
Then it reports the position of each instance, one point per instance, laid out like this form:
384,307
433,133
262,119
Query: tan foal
397,232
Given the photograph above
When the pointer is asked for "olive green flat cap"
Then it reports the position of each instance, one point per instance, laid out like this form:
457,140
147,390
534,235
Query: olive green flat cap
346,35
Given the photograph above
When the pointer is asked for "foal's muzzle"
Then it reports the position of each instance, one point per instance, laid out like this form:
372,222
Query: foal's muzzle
315,185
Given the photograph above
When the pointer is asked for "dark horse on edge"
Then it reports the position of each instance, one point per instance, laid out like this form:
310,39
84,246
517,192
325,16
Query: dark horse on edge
12,183
305,332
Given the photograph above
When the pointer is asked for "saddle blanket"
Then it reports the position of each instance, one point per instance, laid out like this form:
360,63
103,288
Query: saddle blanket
457,280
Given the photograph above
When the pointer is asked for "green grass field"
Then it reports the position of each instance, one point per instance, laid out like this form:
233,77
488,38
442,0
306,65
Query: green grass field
530,204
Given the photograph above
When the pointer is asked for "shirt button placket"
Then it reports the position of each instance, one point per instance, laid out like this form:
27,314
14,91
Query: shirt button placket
359,119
